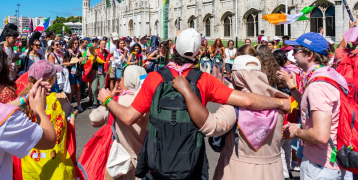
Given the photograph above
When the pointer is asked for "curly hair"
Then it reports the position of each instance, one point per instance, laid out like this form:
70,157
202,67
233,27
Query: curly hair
215,46
247,50
178,59
133,48
269,66
165,49
70,44
280,57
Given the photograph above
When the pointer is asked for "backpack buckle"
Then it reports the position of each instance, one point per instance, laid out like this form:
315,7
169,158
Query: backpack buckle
173,122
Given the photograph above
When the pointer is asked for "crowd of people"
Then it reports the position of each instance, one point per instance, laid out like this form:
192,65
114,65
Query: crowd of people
281,106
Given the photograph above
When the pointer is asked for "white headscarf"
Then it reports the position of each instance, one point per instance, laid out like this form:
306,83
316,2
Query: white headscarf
131,77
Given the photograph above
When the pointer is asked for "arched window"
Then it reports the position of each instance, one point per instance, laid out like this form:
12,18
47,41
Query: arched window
316,19
207,27
251,25
227,30
280,29
191,23
330,24
131,28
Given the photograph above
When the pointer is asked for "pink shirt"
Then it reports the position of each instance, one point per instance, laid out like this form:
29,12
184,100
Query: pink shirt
322,97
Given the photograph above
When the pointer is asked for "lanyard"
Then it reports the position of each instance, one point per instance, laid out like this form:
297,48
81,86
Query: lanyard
310,74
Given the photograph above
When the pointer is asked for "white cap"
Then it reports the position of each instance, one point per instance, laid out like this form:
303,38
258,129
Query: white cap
132,44
244,62
276,38
188,43
99,37
331,42
115,36
264,38
290,57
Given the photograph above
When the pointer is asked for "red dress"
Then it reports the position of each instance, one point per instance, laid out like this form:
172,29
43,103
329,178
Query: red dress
7,94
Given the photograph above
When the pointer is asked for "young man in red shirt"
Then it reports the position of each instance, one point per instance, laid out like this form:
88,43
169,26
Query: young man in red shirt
211,89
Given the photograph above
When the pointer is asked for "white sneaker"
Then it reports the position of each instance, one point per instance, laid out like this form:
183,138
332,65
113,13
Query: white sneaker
79,108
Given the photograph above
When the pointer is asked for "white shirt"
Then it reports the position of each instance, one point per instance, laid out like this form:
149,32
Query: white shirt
117,63
112,47
10,56
49,43
18,135
228,53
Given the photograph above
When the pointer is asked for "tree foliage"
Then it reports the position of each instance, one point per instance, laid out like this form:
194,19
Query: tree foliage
57,28
69,19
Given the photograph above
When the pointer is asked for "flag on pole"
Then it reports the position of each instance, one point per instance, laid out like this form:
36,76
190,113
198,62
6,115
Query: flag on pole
117,2
278,19
43,25
6,21
31,26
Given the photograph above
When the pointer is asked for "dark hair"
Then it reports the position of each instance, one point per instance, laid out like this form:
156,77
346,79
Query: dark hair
11,33
319,29
262,31
178,59
285,37
4,70
70,44
119,41
166,49
82,41
280,57
102,40
248,39
331,47
49,34
273,43
229,42
269,66
105,38
133,48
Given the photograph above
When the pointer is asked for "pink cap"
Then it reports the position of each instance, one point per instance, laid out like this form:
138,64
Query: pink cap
288,48
44,69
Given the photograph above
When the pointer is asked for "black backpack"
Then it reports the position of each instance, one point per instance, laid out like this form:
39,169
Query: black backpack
173,147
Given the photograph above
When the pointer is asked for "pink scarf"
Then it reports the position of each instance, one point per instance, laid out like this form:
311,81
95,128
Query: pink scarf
180,69
328,72
291,67
124,92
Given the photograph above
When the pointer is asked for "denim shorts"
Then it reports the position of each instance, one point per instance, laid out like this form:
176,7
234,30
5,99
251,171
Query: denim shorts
74,79
228,67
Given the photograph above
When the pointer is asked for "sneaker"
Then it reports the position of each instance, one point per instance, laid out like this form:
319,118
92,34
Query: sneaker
94,106
79,108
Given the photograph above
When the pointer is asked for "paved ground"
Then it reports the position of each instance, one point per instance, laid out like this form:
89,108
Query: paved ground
84,132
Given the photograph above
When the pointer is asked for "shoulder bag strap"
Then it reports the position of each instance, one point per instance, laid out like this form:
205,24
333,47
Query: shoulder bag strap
58,61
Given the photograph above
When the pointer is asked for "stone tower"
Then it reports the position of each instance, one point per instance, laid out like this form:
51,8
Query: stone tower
85,13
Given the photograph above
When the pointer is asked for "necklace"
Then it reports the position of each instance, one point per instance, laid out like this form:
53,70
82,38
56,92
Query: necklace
310,74
73,54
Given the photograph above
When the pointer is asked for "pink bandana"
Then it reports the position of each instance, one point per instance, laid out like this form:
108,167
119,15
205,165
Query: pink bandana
180,69
124,92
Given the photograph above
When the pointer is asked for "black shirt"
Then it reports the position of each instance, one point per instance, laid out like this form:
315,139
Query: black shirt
96,64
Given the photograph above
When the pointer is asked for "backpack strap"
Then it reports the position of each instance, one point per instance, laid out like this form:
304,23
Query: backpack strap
166,74
194,75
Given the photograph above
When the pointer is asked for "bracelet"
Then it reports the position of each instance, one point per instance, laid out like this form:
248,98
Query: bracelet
73,116
292,89
293,134
23,101
108,100
105,99
26,97
282,105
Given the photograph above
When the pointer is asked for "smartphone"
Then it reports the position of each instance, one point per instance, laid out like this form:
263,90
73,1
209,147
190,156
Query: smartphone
228,79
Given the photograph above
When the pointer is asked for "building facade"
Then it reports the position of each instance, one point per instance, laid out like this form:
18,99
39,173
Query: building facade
225,19
10,19
76,27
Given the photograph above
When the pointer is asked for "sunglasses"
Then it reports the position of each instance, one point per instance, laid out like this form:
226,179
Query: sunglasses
57,45
295,50
37,45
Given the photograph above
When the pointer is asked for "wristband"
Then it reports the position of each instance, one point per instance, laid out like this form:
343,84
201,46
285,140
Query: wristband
282,105
105,99
108,100
293,134
73,116
26,97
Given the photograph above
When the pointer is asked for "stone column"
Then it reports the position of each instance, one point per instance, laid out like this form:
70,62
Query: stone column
254,16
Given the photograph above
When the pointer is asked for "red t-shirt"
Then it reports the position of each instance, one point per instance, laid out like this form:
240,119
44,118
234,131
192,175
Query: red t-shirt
211,89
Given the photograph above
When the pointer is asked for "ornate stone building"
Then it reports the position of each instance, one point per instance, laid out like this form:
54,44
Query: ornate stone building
214,18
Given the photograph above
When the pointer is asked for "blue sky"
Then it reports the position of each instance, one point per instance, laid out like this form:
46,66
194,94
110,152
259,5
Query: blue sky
43,8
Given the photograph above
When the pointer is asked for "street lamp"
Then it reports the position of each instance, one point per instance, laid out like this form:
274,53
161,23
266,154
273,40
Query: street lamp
18,13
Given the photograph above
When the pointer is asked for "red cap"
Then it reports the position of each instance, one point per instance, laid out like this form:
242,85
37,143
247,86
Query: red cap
44,69
123,38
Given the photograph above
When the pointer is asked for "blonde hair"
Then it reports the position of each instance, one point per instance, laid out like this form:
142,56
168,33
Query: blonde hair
31,84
